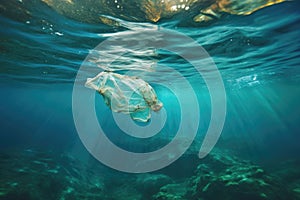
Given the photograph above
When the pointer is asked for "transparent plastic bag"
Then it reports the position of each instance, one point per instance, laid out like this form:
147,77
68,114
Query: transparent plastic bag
126,94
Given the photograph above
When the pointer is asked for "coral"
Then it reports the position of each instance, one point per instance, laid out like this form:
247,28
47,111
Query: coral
226,177
150,184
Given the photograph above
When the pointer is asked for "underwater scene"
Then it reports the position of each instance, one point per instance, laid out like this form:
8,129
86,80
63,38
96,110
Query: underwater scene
150,99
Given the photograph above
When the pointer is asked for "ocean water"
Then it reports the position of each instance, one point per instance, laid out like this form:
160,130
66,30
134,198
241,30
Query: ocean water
45,152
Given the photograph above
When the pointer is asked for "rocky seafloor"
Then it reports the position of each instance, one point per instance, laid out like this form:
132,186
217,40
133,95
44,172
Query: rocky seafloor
32,175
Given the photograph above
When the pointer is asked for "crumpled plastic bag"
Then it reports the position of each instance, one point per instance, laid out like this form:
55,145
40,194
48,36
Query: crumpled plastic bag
126,94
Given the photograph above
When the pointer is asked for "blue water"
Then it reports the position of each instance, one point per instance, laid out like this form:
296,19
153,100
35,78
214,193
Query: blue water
258,57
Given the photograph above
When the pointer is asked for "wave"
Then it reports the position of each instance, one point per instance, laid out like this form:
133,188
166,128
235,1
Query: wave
38,44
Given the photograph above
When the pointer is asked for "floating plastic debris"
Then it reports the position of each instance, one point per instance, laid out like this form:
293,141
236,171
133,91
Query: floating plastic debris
126,94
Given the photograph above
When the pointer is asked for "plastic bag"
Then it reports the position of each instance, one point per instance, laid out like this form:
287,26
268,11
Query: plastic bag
126,94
